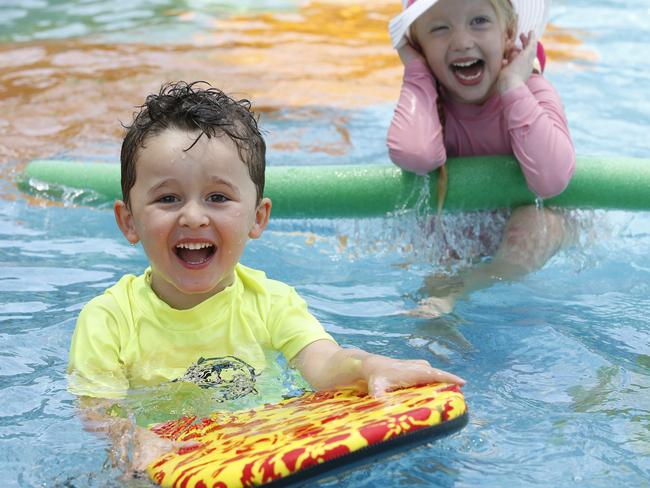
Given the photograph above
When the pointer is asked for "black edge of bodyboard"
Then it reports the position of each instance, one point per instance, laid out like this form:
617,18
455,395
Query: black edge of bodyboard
370,453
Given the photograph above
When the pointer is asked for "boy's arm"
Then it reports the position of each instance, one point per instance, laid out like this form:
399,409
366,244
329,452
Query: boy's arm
95,366
133,447
415,137
326,365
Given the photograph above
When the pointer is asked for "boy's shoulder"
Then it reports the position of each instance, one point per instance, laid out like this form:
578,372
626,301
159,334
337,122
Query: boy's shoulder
256,280
118,295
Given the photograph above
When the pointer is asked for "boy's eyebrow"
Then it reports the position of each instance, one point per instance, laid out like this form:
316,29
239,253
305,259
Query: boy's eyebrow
212,179
158,186
218,180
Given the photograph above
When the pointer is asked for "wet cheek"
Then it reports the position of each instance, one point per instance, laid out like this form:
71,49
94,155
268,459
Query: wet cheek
148,230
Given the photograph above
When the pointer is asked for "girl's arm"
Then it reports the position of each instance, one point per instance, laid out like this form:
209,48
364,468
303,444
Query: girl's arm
540,137
326,365
535,120
415,136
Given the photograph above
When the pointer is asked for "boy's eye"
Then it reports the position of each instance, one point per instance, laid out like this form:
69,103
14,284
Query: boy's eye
168,199
218,198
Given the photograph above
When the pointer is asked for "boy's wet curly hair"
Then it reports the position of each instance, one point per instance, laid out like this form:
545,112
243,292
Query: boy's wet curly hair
208,111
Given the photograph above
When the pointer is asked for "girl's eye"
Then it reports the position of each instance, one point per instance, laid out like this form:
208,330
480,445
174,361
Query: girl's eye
218,198
438,28
480,20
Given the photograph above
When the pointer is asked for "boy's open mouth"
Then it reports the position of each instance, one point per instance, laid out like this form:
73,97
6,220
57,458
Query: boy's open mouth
468,71
194,253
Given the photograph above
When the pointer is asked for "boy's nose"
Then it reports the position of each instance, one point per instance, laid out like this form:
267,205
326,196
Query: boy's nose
193,215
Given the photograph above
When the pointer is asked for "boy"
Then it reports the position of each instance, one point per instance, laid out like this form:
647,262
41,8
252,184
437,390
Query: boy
192,183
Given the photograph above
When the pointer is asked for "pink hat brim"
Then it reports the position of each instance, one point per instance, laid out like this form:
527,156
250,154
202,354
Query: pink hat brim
532,16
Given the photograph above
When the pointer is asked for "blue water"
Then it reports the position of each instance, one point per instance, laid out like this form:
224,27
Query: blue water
557,363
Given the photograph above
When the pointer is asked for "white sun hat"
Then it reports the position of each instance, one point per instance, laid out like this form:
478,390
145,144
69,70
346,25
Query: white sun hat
532,16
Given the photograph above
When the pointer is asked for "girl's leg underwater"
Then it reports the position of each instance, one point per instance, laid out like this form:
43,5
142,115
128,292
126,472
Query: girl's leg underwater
531,237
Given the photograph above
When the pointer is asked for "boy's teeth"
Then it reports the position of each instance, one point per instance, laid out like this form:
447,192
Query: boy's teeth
194,246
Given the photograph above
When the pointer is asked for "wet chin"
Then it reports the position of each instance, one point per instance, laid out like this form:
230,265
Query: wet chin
201,287
190,290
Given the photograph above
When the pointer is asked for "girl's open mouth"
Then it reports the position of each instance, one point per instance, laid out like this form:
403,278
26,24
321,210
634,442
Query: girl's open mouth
468,72
195,253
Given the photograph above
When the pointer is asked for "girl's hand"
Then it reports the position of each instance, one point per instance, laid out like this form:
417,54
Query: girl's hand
408,53
518,64
383,374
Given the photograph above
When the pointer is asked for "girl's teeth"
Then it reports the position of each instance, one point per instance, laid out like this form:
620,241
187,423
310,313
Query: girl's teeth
468,70
465,64
468,78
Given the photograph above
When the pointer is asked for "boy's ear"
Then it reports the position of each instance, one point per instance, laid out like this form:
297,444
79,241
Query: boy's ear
262,214
125,222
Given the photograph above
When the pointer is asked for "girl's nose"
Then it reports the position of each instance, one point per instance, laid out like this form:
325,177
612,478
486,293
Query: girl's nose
461,40
193,215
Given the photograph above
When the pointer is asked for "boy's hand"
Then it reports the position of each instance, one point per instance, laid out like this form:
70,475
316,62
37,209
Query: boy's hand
133,447
325,364
147,447
144,448
518,64
384,374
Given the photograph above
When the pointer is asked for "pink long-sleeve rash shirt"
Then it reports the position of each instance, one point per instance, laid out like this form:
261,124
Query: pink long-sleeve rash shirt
527,121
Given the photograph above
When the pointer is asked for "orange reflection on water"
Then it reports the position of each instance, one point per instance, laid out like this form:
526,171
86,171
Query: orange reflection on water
563,45
69,96
325,54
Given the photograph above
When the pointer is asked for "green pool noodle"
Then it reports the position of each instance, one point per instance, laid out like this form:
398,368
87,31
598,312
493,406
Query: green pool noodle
374,190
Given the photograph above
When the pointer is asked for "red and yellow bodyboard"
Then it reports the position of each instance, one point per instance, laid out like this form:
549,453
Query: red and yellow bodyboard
303,437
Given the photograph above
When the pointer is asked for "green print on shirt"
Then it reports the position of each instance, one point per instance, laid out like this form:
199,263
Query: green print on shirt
228,376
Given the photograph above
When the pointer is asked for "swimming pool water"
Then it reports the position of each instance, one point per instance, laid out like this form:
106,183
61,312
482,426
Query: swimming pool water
557,363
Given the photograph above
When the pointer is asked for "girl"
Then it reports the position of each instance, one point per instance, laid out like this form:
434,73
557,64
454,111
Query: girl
473,86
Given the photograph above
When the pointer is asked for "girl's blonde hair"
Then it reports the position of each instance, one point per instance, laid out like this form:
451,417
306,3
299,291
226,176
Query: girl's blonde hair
507,13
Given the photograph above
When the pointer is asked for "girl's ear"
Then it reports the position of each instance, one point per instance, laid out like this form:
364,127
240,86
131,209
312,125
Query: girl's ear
510,40
262,214
508,49
125,221
413,39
